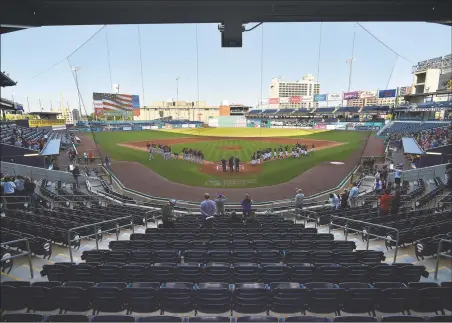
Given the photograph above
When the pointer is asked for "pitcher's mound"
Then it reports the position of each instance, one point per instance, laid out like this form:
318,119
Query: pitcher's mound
231,148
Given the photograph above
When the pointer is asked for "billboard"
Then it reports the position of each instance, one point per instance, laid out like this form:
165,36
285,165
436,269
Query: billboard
295,99
351,95
334,97
320,97
445,82
273,100
284,100
307,98
387,93
367,94
111,104
264,101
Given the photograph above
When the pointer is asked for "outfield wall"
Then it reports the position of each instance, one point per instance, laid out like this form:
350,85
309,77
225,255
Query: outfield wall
227,122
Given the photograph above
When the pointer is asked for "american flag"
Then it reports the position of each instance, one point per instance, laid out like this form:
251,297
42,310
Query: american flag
113,102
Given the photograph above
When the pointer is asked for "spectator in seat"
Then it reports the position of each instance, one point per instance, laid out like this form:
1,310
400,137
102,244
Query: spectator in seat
219,203
353,194
208,210
168,214
299,198
385,202
246,205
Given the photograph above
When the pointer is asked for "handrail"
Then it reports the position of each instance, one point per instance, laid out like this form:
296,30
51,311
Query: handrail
298,215
97,232
26,253
369,224
439,253
27,199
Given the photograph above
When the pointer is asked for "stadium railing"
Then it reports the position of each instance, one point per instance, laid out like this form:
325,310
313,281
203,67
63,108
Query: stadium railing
98,231
366,233
16,200
418,173
23,253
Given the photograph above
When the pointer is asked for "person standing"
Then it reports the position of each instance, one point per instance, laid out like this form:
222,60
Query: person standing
168,214
76,174
353,195
85,157
299,198
237,163
223,164
448,174
395,202
344,199
231,164
334,201
8,186
208,210
398,177
247,205
385,202
219,203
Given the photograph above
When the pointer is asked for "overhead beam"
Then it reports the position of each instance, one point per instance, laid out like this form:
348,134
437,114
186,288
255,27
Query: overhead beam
100,12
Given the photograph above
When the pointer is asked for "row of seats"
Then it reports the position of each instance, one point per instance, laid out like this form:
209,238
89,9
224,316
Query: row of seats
218,298
231,235
231,273
225,319
38,245
185,244
236,255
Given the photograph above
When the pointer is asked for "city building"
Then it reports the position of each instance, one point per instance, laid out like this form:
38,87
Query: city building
178,110
293,94
432,80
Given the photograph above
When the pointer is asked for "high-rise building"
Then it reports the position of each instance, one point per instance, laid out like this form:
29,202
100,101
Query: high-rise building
293,94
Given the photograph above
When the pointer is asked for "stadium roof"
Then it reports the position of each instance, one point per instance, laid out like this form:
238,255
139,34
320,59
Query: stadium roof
20,14
5,80
45,113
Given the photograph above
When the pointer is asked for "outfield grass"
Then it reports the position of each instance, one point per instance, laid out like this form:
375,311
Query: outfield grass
244,132
274,172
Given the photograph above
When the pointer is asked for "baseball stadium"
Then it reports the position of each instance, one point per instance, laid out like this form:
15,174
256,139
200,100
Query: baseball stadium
309,206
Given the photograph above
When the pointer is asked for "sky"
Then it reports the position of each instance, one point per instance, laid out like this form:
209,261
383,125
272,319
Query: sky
40,60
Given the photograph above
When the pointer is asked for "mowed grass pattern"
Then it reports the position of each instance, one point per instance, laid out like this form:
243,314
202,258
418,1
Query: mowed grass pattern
244,132
274,172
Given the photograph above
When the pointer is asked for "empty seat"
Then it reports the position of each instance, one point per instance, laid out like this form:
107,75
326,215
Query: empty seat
213,298
394,297
134,273
142,297
246,272
402,318
67,318
112,318
274,273
210,319
195,256
359,298
288,298
22,317
356,273
250,298
159,318
74,297
108,297
243,255
218,272
169,255
301,273
12,298
268,256
163,272
177,297
190,272
296,319
108,273
325,298
355,319
297,256
328,273
257,319
41,298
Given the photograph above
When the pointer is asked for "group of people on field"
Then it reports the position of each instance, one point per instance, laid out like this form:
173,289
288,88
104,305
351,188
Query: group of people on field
281,152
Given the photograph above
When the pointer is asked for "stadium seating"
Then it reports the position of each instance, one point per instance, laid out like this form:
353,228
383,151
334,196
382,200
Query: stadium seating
412,127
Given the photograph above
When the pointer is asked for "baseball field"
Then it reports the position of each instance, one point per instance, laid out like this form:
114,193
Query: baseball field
216,143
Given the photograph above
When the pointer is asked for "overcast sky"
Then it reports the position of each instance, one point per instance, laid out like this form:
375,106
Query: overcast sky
290,50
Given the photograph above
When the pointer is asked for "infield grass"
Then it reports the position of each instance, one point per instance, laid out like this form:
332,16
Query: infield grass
274,172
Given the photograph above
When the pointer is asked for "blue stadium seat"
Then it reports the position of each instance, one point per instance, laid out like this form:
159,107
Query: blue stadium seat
112,318
250,298
142,297
67,318
288,298
213,298
177,297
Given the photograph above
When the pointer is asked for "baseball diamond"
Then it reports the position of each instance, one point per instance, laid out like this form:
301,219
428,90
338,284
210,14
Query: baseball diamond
131,162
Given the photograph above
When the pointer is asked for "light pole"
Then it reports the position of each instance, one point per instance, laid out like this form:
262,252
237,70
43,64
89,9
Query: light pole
75,69
351,60
177,96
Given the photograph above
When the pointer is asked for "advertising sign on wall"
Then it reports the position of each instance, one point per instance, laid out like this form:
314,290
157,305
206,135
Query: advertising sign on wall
154,127
127,128
295,99
367,94
146,127
351,95
273,100
320,126
387,93
307,98
284,100
334,96
320,97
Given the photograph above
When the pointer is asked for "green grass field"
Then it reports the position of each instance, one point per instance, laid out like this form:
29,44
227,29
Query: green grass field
184,172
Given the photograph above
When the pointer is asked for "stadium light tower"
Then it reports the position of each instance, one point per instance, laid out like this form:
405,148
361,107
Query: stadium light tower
177,95
351,60
75,69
